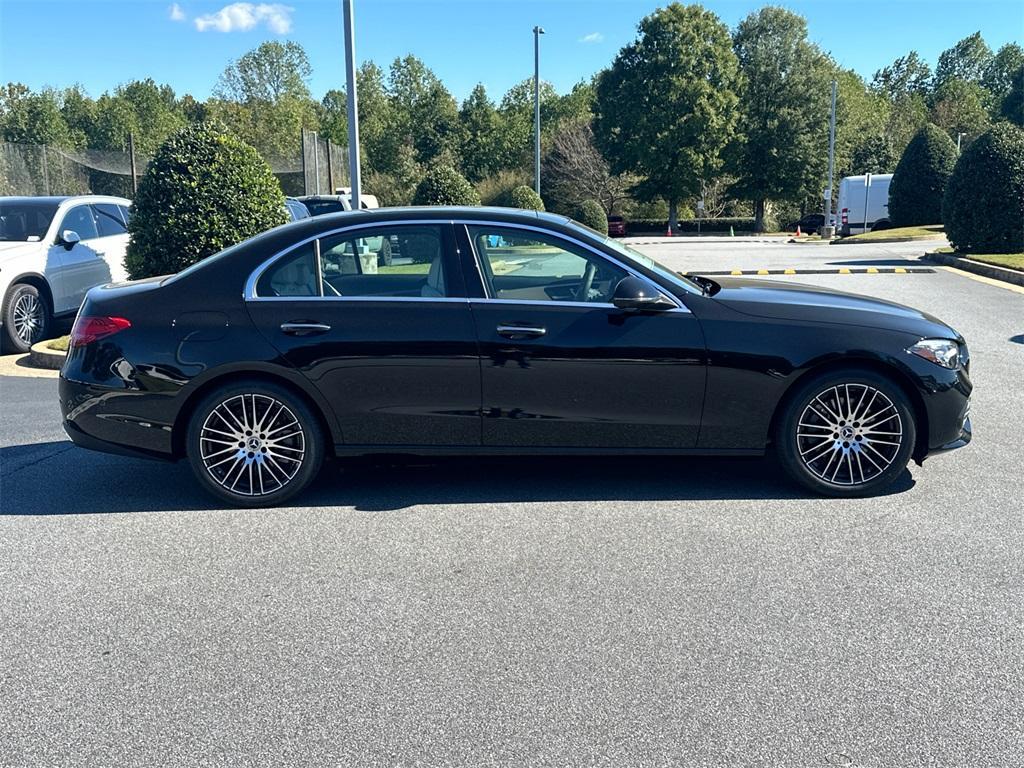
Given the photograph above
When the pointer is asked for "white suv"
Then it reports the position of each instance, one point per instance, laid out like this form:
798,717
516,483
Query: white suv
52,251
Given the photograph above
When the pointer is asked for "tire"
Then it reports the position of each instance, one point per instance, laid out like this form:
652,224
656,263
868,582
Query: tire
846,433
26,316
244,466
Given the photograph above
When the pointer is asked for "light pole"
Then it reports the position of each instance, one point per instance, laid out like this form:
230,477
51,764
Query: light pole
826,225
353,107
959,136
537,32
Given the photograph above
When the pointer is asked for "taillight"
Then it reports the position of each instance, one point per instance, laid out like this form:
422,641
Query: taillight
846,216
89,329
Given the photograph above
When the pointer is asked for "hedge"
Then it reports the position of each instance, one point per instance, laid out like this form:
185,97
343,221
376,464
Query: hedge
983,209
526,198
592,214
204,190
660,226
443,185
919,182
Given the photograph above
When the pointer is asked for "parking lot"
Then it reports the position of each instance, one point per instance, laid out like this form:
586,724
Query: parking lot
530,611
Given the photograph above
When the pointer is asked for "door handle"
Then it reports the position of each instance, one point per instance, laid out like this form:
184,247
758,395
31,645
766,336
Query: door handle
521,331
304,329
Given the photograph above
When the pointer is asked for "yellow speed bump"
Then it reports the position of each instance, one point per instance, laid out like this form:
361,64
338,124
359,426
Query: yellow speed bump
872,271
844,271
763,272
789,271
900,271
736,272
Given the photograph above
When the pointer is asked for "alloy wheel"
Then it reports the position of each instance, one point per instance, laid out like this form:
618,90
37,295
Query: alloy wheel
28,317
849,434
252,444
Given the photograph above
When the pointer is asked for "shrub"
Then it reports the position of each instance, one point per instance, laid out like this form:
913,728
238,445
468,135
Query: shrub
592,214
203,191
919,182
526,198
720,225
983,209
443,185
497,189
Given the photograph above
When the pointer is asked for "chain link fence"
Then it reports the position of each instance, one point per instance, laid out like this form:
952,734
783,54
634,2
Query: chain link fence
37,169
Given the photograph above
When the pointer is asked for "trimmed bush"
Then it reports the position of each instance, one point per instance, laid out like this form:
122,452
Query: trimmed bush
718,226
203,191
526,198
983,209
592,214
443,185
919,182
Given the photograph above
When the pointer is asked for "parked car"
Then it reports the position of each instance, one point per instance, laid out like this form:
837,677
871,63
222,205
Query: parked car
365,200
808,223
864,203
318,205
260,360
52,251
295,209
617,226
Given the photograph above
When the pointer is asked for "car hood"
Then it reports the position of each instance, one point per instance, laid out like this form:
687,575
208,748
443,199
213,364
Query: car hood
807,303
9,250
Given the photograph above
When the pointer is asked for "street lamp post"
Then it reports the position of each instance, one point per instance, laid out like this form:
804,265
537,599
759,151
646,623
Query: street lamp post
353,107
959,136
537,32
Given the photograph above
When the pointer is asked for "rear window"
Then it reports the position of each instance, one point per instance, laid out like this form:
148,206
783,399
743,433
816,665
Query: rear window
320,207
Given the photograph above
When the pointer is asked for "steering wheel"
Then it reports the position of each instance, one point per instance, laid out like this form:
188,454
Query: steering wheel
588,280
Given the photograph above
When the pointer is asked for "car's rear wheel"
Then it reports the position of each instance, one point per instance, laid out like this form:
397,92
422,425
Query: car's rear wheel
254,444
26,316
847,433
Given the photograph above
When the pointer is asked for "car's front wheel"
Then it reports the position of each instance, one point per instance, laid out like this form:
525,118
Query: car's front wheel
254,444
26,317
847,433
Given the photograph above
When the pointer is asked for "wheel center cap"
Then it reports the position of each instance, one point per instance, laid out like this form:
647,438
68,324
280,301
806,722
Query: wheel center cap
254,443
846,433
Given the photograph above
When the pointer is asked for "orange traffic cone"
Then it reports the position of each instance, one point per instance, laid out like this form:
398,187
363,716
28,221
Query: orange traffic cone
668,231
798,233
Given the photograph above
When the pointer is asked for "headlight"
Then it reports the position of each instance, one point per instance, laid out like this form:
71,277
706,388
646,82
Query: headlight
939,351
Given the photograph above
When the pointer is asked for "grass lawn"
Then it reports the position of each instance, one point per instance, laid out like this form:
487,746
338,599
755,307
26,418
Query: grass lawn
60,344
924,232
1011,260
404,269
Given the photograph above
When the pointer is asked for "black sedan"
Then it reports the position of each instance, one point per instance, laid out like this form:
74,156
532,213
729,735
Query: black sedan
500,332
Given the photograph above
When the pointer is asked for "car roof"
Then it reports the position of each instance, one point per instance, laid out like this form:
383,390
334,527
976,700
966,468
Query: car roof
59,199
443,213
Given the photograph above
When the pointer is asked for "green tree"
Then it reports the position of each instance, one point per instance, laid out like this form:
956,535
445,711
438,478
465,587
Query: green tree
959,107
1013,104
263,98
203,191
784,99
592,214
443,185
666,108
334,116
33,118
919,183
425,113
968,61
998,79
872,131
482,150
909,74
983,208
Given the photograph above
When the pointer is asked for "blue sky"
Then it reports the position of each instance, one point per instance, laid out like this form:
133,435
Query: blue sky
100,43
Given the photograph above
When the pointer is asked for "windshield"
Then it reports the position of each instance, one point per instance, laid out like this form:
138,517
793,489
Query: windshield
25,221
633,255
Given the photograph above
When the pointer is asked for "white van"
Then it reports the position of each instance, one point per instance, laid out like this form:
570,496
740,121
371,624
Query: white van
864,203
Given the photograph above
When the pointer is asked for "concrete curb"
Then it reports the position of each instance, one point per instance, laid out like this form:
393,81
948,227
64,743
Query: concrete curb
882,241
977,267
42,357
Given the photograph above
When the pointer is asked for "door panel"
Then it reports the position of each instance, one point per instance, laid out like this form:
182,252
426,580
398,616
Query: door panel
597,377
392,347
84,265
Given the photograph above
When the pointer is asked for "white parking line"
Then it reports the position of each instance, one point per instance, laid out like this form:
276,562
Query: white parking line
983,279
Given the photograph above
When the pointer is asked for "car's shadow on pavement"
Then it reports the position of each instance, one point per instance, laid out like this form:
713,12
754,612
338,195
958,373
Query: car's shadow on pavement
60,479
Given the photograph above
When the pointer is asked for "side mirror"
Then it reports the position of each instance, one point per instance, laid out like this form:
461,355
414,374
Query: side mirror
69,238
634,293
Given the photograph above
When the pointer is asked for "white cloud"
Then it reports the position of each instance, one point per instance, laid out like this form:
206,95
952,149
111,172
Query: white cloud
242,16
593,37
175,12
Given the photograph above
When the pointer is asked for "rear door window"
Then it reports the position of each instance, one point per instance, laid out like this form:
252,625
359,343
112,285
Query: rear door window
108,220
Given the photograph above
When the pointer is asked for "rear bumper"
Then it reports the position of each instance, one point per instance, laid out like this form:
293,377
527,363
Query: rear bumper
101,418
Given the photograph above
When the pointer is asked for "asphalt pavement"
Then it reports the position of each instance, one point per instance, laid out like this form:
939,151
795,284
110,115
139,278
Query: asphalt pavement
528,612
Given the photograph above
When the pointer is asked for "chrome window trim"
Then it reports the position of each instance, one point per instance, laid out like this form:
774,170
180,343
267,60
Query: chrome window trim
586,246
249,292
